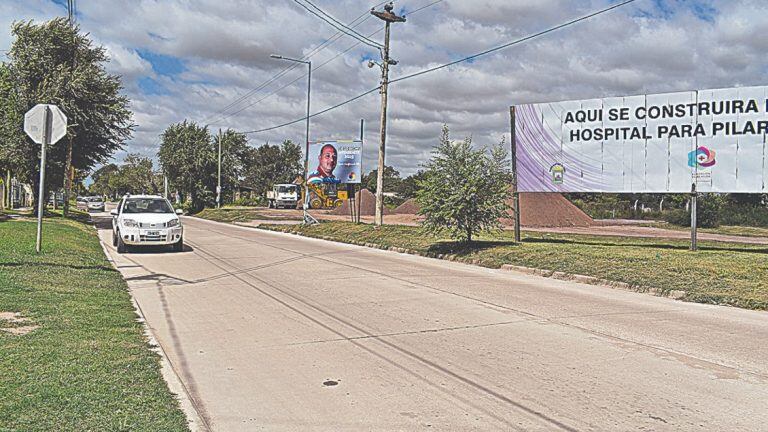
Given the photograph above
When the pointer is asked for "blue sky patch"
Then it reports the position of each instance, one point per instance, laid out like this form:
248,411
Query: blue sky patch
163,64
150,86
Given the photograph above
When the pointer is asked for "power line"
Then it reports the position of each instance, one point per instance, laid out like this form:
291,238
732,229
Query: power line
482,53
315,114
518,41
337,25
291,82
328,42
423,7
322,64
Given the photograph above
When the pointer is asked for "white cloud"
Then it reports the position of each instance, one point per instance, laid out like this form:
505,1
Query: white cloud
225,46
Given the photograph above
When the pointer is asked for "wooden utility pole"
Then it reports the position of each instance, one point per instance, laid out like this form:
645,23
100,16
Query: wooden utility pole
388,17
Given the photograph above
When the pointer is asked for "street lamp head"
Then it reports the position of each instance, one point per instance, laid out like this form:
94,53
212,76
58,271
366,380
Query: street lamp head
275,56
371,64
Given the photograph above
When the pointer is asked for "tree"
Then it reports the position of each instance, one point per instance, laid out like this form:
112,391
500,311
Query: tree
271,164
189,161
137,176
235,154
410,185
391,179
464,191
54,63
102,181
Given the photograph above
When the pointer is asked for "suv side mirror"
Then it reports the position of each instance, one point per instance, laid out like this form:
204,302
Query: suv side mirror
113,212
179,211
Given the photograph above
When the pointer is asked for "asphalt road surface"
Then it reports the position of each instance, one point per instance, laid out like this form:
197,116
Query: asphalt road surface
269,331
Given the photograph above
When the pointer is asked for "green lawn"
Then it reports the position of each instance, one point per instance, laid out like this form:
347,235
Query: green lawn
88,366
720,273
723,229
225,214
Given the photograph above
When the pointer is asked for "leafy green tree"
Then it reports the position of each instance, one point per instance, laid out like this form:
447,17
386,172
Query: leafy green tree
391,179
54,63
464,191
270,164
235,154
410,185
189,160
136,176
102,181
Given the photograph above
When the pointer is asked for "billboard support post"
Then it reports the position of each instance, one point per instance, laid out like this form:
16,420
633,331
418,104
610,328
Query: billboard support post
515,193
694,222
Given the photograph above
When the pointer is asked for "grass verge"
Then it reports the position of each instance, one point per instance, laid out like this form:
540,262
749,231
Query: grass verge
743,231
246,215
88,365
720,273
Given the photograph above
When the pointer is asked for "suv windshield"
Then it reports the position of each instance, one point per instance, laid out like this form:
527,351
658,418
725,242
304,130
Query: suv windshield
146,205
286,189
94,199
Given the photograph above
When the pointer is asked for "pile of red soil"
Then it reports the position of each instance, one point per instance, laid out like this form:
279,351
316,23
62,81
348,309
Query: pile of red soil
548,210
408,207
365,202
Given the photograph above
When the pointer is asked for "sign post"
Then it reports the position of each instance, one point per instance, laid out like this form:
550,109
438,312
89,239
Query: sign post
694,217
45,124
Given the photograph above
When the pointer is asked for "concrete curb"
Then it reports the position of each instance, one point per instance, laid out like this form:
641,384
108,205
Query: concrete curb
172,379
587,280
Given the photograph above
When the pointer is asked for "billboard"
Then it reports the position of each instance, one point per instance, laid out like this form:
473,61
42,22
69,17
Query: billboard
335,162
650,143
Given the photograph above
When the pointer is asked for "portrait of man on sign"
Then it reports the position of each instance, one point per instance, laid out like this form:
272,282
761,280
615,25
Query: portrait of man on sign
327,159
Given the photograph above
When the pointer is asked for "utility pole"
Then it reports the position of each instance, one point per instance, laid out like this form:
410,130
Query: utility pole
388,17
69,171
218,183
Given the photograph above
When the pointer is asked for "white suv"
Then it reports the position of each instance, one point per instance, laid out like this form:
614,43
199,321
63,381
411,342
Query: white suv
146,220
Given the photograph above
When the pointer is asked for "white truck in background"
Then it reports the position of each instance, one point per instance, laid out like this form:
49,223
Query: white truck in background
283,195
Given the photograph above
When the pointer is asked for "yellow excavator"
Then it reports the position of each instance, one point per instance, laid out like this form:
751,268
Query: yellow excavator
324,196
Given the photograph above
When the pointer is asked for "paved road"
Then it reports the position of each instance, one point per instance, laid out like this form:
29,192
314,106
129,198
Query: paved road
275,332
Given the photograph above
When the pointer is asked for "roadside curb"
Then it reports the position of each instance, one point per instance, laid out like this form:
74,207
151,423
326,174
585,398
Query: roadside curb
172,379
549,274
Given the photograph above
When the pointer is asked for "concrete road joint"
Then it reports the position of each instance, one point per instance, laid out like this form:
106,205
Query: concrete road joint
171,377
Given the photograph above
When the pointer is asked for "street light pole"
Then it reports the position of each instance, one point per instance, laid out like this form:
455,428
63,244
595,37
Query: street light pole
308,219
388,17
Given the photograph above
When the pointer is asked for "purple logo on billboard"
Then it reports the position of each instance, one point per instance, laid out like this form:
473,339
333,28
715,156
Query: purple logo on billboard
702,157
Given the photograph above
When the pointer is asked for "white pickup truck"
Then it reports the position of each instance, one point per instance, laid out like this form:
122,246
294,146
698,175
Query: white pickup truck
283,195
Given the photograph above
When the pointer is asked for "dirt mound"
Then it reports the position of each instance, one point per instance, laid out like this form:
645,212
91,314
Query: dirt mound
408,207
366,203
548,210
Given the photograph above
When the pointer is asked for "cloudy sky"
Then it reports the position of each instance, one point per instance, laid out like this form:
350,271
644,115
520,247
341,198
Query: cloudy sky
208,60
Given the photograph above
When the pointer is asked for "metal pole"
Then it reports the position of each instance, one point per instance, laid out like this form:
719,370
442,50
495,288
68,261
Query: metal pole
41,190
515,193
165,186
306,153
218,184
694,222
379,219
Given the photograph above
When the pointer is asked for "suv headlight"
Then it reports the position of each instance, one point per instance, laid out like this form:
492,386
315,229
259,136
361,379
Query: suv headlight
172,223
130,223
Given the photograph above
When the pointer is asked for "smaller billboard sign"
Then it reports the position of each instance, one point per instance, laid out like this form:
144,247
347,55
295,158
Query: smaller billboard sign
335,162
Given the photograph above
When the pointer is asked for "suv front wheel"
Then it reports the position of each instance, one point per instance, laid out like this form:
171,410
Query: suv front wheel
179,245
121,246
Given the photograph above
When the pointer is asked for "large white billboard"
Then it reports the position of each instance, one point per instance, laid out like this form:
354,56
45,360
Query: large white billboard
651,143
